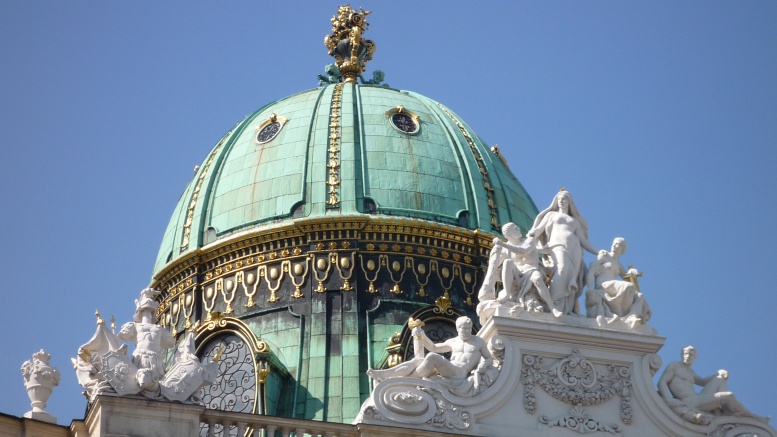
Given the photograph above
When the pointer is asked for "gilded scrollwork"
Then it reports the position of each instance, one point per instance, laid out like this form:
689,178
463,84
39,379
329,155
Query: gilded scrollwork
346,44
345,266
575,380
322,264
300,271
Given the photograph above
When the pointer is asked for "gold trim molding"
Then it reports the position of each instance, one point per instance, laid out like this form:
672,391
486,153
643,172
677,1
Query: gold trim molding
333,181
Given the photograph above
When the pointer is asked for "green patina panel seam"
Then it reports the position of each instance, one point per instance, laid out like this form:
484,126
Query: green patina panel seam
187,226
481,166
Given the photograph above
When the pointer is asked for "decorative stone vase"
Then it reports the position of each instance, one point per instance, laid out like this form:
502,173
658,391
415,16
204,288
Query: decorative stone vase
39,380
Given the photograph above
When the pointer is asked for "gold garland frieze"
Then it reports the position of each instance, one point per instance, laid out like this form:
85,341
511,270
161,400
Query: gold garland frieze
333,180
396,267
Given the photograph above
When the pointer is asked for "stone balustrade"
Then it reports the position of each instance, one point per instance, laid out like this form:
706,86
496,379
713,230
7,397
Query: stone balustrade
273,426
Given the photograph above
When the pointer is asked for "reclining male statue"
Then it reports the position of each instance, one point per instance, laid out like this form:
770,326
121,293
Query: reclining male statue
468,353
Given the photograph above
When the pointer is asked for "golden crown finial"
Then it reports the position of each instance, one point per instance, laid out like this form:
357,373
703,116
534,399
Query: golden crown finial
346,45
562,189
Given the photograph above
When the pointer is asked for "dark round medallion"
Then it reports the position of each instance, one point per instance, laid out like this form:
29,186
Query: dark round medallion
268,132
404,122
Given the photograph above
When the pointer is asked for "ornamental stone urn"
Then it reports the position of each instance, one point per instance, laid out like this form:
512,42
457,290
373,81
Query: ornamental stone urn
39,380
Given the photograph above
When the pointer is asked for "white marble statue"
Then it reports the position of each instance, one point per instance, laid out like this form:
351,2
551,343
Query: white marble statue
563,234
516,263
150,341
468,353
608,297
103,365
39,380
677,387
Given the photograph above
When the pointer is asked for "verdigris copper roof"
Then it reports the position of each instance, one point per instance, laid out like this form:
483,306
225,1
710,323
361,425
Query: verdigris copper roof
341,150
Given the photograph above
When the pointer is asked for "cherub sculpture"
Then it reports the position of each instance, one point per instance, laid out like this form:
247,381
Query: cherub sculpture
332,75
377,78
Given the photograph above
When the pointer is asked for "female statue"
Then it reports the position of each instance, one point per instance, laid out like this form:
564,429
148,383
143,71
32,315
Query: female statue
563,234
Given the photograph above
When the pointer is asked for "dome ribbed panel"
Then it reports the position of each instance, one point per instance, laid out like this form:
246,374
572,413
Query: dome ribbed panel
261,182
409,175
440,174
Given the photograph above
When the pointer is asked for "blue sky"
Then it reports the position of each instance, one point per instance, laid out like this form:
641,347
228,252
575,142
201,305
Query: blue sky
659,117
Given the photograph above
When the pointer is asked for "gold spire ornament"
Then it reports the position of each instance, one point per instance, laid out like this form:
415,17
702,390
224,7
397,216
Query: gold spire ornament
346,45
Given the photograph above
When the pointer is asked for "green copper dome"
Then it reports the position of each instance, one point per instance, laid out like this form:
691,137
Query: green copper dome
341,150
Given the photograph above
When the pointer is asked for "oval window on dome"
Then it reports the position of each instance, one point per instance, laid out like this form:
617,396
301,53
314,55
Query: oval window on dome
269,129
403,120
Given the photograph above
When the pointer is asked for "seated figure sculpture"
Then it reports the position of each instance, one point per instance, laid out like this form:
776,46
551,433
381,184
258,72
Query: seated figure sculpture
609,298
676,386
468,353
516,262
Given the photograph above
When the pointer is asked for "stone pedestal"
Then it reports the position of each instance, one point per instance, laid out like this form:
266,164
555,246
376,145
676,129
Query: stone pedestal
560,378
115,416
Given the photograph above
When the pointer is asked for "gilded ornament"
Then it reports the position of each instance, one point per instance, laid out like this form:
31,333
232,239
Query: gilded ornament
346,45
383,247
345,262
274,273
421,269
209,293
188,300
230,285
250,279
285,253
370,265
175,308
396,247
445,272
396,266
443,304
297,270
321,264
319,246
